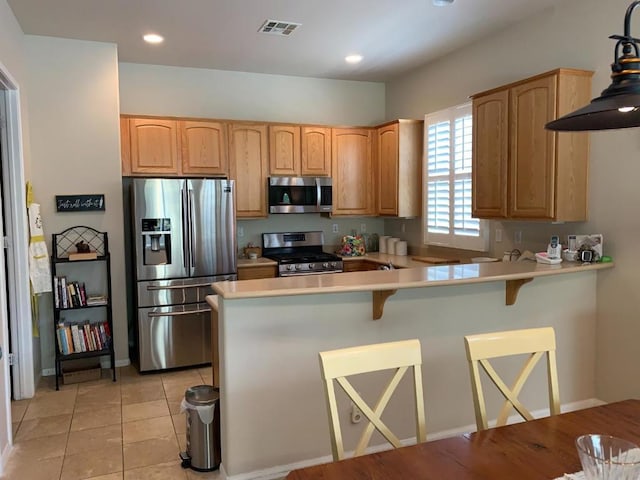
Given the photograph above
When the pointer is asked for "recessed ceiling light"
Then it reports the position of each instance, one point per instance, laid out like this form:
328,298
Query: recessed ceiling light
442,3
353,58
153,38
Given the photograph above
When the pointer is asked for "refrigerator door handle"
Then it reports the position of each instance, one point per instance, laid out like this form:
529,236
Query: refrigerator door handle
177,287
191,232
186,229
176,314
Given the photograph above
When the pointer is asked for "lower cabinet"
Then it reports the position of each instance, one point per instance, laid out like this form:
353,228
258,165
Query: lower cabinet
263,271
359,266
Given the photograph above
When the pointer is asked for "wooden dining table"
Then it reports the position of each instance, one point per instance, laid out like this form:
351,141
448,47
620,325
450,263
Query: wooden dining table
538,449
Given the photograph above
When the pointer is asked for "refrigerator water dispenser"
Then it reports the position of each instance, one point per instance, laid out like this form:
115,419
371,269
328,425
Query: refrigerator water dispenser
156,241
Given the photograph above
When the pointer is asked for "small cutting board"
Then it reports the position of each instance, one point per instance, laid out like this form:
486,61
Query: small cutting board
435,260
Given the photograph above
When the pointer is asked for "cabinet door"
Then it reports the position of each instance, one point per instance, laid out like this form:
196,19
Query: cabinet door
353,171
490,155
284,150
248,160
388,170
532,156
316,151
204,148
154,146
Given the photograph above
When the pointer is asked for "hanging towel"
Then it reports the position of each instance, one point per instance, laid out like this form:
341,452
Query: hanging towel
39,269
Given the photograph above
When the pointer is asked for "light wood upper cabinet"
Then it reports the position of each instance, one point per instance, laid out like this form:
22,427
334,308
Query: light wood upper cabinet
248,157
154,146
316,151
353,171
399,168
204,148
163,146
542,174
490,155
284,150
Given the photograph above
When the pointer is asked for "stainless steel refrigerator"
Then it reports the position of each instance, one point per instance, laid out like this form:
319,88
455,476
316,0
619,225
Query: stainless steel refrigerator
184,238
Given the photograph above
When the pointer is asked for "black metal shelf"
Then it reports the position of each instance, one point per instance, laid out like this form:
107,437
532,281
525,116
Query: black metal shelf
73,240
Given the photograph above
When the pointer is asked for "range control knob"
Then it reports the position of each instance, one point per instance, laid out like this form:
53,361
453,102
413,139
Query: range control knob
325,265
311,266
334,264
289,267
299,266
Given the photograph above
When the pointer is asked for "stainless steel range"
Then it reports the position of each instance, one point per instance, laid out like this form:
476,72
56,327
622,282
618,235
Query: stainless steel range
299,253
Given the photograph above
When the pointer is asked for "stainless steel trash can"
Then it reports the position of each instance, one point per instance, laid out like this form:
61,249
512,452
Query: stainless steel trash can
202,407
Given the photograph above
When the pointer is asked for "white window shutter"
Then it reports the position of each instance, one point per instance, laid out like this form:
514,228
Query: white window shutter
448,164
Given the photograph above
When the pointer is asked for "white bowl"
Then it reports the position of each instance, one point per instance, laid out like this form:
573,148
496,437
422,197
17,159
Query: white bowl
483,259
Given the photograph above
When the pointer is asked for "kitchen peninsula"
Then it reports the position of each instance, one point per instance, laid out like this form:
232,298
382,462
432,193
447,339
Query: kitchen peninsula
271,330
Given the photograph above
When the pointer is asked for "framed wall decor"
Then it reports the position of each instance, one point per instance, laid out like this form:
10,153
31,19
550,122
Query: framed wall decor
80,203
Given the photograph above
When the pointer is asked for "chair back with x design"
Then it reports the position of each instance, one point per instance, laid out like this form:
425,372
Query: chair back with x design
537,342
339,364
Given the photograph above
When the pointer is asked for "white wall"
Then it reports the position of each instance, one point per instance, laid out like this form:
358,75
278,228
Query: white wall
75,144
198,92
273,407
573,34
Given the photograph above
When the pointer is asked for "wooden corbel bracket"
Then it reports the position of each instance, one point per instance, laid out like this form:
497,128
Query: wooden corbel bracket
379,297
512,288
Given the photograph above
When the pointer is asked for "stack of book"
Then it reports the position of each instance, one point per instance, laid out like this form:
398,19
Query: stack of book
77,337
68,294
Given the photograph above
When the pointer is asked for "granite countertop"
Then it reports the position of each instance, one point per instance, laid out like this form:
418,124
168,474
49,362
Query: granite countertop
415,277
258,262
398,261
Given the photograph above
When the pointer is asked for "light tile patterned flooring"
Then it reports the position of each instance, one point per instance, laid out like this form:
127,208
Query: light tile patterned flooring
128,430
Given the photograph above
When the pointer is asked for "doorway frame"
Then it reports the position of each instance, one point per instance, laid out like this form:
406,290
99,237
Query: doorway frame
17,251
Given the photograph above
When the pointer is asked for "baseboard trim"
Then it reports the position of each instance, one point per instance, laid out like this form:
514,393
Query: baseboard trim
6,453
281,471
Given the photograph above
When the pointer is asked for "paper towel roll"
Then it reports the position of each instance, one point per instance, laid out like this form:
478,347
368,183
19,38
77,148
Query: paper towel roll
382,245
391,245
401,247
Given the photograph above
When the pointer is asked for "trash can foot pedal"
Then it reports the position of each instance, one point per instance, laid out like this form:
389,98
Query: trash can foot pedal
186,460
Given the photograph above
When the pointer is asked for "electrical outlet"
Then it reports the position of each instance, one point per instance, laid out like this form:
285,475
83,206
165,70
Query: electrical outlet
517,237
403,227
498,235
356,414
240,231
334,228
363,228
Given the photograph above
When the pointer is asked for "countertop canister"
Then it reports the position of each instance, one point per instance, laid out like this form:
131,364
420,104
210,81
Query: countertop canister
391,245
382,246
401,247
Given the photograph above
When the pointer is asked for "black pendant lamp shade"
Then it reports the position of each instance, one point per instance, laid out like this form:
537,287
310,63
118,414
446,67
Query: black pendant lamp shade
619,105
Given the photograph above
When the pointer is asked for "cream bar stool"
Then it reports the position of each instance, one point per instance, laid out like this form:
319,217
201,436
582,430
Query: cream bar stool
481,348
338,364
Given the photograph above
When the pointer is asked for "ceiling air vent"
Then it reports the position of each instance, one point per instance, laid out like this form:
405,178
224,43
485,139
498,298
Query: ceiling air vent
278,27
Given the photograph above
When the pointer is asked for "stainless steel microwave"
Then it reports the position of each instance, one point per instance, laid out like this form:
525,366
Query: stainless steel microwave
300,194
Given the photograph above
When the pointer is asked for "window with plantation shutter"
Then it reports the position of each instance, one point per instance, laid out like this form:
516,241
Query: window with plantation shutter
447,167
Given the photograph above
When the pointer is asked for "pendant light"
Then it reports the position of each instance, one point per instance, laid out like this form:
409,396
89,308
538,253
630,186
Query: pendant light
618,106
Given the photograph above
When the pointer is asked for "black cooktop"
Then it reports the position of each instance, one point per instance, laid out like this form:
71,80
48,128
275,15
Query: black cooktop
302,257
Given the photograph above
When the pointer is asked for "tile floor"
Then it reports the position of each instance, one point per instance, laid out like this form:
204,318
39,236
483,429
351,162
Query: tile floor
128,430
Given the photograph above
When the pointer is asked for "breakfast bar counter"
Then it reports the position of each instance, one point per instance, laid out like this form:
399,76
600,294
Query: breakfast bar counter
273,412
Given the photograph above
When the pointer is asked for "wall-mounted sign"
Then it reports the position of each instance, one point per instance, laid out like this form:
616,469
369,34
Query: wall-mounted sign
79,203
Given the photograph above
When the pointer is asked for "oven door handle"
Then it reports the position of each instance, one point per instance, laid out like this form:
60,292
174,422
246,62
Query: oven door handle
176,287
176,314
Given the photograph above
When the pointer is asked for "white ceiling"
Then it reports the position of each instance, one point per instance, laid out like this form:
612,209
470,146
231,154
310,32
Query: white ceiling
393,35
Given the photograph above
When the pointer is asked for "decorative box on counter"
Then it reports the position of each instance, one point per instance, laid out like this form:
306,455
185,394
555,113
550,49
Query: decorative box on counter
352,246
